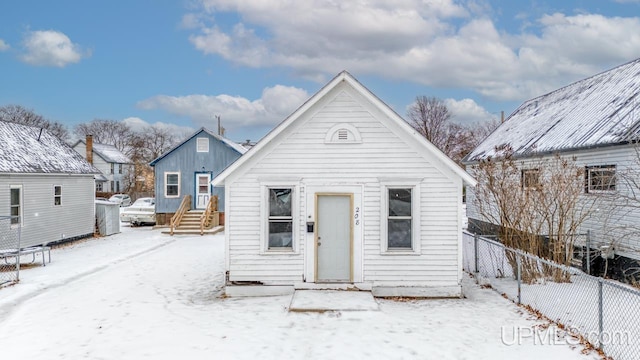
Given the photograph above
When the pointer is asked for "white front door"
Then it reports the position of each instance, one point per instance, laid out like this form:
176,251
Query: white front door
203,190
333,242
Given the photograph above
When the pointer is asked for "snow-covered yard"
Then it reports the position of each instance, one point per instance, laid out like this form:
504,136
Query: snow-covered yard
141,294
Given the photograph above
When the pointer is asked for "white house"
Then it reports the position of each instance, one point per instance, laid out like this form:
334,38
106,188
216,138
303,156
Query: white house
45,186
595,121
344,193
115,166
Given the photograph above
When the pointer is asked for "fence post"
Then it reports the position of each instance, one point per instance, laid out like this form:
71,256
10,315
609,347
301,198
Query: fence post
475,253
588,245
18,248
519,276
600,315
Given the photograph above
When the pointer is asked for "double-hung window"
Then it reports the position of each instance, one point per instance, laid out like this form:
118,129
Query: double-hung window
400,218
280,219
600,178
16,204
112,167
57,195
172,184
119,168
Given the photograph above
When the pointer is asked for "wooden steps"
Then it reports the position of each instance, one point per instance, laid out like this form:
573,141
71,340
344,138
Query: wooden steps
190,224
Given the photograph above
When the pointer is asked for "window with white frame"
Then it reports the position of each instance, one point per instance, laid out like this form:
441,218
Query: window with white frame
112,167
202,144
280,219
399,219
117,186
57,195
172,184
530,179
16,204
99,186
119,168
600,178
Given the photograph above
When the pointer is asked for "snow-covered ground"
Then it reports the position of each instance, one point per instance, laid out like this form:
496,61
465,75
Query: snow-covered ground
144,295
575,304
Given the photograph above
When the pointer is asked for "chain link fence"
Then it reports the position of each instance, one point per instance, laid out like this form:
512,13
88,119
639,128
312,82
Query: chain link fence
9,243
603,312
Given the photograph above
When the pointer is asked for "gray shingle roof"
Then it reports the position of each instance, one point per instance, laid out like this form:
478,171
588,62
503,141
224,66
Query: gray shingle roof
598,111
27,149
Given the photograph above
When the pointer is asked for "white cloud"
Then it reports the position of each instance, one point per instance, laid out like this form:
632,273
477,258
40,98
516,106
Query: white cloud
138,124
440,43
236,112
51,48
467,111
3,45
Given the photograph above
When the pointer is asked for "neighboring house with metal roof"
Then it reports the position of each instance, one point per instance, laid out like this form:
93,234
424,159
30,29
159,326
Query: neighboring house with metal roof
46,186
597,122
187,169
344,194
115,167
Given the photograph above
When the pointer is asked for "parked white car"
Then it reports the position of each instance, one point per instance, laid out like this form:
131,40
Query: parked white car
143,211
121,199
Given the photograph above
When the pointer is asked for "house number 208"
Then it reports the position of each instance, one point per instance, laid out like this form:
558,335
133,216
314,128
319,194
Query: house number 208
356,216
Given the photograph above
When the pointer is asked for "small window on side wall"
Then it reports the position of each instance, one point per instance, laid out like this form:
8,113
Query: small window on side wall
280,221
57,195
600,178
530,179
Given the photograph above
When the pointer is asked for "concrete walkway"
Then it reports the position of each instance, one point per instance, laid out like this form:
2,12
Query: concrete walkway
332,300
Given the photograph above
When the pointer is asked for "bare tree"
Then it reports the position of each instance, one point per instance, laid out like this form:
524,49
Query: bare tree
431,118
538,205
24,116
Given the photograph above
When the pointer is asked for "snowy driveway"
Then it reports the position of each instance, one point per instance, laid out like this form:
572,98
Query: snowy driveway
144,295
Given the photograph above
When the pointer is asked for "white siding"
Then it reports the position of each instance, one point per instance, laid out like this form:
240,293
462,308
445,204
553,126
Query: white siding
611,222
43,222
302,154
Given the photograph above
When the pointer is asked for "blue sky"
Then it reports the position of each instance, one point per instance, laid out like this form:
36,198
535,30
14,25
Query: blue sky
178,63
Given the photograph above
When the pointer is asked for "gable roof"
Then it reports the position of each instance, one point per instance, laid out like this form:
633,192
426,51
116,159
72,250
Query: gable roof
108,153
598,111
32,150
237,147
344,76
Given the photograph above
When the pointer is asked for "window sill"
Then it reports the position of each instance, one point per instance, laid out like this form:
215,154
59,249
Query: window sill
400,252
279,252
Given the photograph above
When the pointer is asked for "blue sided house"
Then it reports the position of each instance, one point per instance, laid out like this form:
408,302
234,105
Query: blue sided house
188,168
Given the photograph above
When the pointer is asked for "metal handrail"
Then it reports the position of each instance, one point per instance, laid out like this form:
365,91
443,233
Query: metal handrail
206,219
185,205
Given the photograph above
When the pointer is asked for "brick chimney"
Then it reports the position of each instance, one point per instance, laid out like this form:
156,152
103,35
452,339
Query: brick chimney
90,149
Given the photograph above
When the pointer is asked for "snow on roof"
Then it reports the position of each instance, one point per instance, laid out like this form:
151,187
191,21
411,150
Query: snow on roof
601,110
237,147
27,149
111,154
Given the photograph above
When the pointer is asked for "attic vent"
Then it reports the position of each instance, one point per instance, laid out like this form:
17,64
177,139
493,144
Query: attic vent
202,145
343,134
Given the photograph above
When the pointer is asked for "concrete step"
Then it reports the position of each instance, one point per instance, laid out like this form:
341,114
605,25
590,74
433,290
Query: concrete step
215,230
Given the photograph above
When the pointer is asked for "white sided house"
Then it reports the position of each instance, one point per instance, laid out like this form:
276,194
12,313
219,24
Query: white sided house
45,186
595,121
344,193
